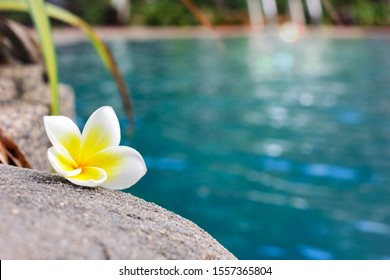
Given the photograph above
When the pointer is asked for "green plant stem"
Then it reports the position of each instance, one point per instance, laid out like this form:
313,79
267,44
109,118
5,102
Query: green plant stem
42,25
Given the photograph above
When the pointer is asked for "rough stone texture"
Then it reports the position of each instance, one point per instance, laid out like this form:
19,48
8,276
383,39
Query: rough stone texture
42,216
8,91
24,100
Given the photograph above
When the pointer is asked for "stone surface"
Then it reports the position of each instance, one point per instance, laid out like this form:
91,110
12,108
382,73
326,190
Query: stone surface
8,91
42,216
24,100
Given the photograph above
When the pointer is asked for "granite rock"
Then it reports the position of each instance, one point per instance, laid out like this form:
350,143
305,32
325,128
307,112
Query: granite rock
24,100
43,216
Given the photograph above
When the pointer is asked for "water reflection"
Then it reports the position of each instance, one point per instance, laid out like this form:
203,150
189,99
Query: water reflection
279,150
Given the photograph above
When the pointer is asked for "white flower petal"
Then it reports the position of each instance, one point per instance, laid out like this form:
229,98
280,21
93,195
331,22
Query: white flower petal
101,131
64,135
89,177
61,163
124,166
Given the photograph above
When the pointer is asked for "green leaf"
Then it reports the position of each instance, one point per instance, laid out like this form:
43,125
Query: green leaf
42,26
108,60
67,17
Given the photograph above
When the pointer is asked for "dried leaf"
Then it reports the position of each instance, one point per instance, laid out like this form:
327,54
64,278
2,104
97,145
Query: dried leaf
19,42
10,153
3,154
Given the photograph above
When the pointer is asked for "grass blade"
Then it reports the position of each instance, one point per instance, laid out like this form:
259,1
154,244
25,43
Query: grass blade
67,17
101,48
42,26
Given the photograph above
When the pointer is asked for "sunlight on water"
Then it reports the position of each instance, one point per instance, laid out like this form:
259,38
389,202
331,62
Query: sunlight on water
279,150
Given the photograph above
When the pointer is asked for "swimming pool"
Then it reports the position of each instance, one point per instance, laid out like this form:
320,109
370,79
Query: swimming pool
279,150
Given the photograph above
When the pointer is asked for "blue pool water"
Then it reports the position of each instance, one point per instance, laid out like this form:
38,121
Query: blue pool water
279,151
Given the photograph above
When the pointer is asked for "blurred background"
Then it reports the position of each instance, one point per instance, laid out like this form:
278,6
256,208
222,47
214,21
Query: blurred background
227,12
274,139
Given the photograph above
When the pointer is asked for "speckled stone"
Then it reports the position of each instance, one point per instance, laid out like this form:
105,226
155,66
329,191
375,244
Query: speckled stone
24,100
42,216
26,77
8,91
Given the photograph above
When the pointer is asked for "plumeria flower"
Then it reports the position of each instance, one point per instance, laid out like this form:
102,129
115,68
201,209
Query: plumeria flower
93,158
